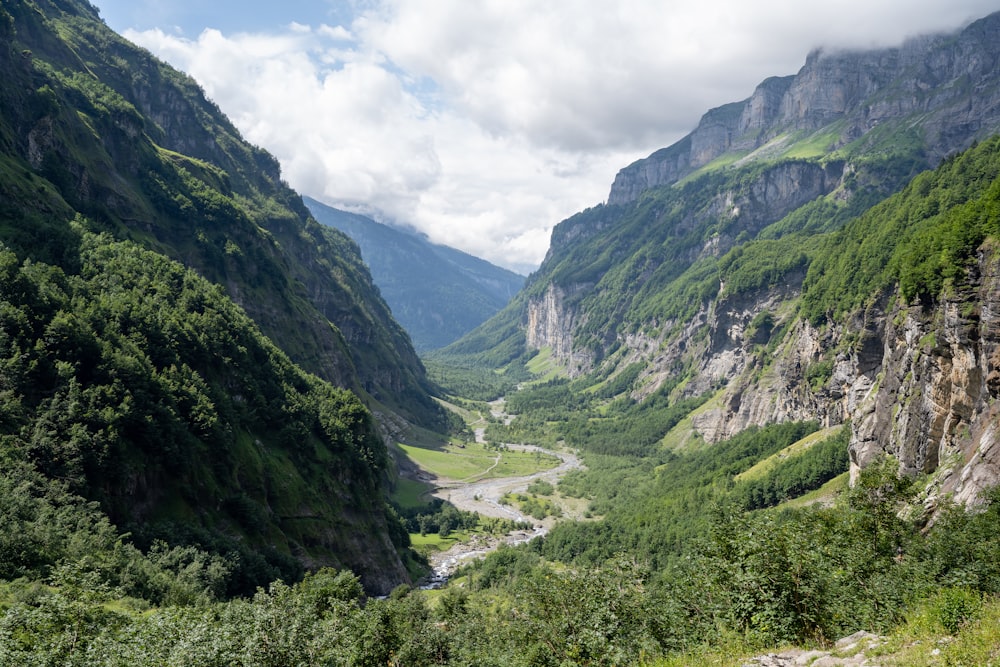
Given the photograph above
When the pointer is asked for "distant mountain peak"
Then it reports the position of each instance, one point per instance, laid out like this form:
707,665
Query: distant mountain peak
437,293
841,97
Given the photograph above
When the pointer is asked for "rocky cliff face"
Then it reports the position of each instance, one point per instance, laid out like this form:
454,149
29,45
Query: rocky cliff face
551,321
918,383
951,82
704,283
935,406
735,212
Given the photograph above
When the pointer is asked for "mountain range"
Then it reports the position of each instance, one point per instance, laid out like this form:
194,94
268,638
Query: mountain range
201,384
762,262
105,149
436,293
184,344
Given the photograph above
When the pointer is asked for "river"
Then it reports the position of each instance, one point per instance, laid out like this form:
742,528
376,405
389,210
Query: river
483,496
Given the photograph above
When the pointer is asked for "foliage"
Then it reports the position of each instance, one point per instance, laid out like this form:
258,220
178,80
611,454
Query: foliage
763,264
796,475
126,378
655,509
135,148
923,238
556,412
541,487
472,383
138,368
809,575
532,505
139,384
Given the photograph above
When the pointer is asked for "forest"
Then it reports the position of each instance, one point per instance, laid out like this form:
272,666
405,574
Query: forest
703,552
204,404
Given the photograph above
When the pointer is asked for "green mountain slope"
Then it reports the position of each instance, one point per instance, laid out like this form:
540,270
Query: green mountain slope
135,146
436,293
800,157
759,262
194,413
136,383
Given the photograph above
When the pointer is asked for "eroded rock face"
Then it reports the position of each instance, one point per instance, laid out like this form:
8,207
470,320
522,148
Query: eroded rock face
935,408
920,384
550,324
916,383
952,82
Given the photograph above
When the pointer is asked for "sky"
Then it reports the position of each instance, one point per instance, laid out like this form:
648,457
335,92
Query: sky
483,123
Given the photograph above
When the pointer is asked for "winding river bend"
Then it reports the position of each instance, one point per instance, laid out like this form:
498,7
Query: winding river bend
483,496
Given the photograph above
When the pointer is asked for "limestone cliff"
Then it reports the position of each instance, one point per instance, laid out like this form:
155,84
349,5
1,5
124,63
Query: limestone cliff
769,282
918,383
550,325
949,84
934,407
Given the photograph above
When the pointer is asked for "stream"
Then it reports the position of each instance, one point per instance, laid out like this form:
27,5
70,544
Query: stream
483,496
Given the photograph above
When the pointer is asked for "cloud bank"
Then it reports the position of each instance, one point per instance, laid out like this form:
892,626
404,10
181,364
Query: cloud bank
485,123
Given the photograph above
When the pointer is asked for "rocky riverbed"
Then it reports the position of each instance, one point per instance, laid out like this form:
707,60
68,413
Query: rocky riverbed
483,496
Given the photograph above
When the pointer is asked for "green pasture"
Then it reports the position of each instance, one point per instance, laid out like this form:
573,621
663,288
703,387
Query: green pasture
762,467
544,367
434,542
475,461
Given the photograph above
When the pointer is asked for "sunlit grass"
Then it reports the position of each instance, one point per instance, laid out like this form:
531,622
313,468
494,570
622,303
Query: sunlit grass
470,417
452,461
684,435
815,145
545,367
474,461
729,650
824,494
923,640
766,465
434,542
721,162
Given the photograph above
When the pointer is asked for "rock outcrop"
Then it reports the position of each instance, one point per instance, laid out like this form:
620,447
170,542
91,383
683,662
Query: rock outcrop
951,82
701,283
935,408
916,383
551,321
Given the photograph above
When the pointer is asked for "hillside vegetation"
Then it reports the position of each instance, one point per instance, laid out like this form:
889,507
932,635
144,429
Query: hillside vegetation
182,342
190,475
94,125
137,384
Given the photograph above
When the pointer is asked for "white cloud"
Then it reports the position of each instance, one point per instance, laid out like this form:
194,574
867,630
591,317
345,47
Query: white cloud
485,123
337,32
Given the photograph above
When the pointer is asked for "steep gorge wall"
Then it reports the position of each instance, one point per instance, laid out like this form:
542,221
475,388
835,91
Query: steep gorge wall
951,83
551,320
935,408
920,384
554,318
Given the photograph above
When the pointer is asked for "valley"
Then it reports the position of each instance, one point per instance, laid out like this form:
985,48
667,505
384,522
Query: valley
747,405
484,496
484,491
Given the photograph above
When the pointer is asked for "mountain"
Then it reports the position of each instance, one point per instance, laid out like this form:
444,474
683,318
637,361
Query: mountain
760,265
436,293
182,341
